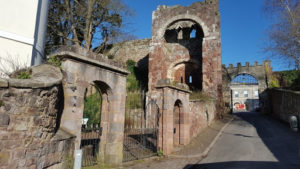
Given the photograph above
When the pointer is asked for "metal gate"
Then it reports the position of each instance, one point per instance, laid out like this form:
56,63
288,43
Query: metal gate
91,130
141,127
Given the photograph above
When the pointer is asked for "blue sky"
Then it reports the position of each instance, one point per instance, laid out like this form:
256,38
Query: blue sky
243,26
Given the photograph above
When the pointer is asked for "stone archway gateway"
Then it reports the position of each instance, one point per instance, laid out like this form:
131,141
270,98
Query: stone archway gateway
82,68
243,90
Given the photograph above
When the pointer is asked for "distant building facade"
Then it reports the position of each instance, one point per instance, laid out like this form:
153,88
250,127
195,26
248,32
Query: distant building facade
22,33
245,97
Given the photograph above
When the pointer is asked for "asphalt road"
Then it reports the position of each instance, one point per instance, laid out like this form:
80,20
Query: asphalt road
254,141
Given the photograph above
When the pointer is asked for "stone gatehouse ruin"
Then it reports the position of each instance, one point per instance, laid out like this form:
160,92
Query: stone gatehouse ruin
182,59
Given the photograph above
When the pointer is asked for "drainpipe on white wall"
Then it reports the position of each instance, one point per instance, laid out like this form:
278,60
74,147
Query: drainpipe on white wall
40,32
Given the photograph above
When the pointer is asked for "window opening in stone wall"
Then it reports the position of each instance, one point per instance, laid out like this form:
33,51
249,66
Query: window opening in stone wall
193,34
190,79
180,34
183,31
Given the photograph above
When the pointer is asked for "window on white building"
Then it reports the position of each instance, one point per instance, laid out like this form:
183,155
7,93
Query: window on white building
245,93
256,93
236,94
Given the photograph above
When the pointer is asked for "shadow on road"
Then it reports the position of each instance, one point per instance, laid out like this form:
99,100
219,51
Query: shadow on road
278,138
243,165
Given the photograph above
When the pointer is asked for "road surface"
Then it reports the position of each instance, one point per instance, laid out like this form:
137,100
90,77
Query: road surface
254,141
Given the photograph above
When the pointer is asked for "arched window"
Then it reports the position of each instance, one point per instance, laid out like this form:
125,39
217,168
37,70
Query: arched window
193,34
190,79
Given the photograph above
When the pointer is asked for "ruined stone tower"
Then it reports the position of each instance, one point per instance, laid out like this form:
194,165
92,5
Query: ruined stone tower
185,56
186,46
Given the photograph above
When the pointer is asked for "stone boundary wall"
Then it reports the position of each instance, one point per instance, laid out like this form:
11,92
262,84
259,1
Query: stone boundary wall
203,114
284,103
30,111
134,49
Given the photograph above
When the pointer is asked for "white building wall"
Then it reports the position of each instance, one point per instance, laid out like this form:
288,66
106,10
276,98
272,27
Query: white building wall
252,100
19,29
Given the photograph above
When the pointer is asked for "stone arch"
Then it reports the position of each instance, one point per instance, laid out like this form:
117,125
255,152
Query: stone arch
81,68
194,18
233,76
255,93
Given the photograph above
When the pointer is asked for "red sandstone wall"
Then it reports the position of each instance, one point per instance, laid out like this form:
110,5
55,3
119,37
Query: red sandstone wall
163,54
202,115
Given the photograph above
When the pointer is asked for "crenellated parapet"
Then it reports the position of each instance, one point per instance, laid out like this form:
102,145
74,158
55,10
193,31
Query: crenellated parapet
266,63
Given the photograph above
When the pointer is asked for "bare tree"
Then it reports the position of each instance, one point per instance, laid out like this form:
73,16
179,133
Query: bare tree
284,33
87,23
11,64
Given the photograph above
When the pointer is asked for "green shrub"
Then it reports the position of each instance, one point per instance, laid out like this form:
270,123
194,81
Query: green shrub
92,107
160,153
134,100
274,82
199,95
23,75
55,61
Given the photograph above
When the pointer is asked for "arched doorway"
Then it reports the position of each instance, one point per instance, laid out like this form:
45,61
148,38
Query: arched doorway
95,108
176,122
245,94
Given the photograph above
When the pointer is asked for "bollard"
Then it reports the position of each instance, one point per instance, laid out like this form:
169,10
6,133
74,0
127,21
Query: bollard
293,123
78,158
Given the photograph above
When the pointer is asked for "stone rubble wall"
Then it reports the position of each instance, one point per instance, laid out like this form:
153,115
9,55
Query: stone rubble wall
135,50
203,114
284,103
29,120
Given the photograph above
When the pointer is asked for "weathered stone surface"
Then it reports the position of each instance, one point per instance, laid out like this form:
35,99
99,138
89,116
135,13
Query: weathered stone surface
4,119
81,70
85,56
178,59
203,113
134,50
42,76
3,82
28,123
